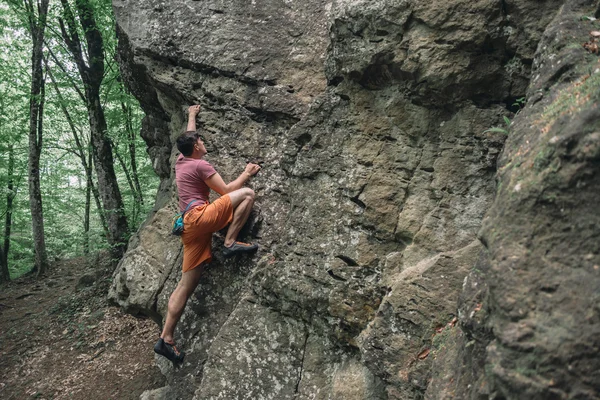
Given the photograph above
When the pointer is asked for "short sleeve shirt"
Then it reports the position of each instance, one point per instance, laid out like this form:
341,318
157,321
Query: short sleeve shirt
190,175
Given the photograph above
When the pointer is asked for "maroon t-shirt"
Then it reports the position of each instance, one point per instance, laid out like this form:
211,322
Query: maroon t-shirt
190,174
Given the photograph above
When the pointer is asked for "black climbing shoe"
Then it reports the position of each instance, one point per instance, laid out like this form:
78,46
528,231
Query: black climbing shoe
239,247
169,351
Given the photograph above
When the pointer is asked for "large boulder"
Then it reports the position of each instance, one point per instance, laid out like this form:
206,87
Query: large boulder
371,120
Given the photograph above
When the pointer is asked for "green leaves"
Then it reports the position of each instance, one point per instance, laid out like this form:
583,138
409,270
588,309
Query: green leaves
520,103
499,129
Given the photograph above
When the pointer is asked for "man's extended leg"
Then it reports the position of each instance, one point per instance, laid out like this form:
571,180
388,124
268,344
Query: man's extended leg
186,286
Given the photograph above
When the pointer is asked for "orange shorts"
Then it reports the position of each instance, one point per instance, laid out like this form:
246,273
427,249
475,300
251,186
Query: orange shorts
199,225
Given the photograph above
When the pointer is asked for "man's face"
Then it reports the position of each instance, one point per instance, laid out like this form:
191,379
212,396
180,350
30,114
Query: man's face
199,146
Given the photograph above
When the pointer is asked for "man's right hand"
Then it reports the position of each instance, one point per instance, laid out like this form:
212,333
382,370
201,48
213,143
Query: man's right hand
252,169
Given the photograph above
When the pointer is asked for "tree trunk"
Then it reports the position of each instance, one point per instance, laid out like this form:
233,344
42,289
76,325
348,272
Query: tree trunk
10,195
9,200
4,273
35,193
81,152
130,182
90,181
86,219
107,180
131,137
92,76
36,115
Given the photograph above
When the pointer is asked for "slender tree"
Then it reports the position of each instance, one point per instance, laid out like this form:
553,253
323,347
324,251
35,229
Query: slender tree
36,16
86,162
10,195
132,151
86,220
136,204
4,272
91,69
131,175
15,88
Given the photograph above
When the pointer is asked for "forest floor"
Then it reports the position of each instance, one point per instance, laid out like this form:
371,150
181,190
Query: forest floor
59,338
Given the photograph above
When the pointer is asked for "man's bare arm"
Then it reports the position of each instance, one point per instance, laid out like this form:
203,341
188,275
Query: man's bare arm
192,113
216,183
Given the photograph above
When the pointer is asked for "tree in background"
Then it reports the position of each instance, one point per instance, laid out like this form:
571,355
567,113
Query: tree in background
36,17
10,195
84,154
92,74
15,81
4,273
128,161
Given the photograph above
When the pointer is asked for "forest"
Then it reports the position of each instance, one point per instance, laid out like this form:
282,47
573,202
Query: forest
74,174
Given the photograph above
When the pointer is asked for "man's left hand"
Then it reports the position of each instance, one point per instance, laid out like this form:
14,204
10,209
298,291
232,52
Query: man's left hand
194,110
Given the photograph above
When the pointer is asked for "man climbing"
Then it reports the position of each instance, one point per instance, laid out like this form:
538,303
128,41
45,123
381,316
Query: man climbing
195,177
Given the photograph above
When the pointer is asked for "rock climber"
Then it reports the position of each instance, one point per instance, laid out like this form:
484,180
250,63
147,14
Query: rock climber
195,177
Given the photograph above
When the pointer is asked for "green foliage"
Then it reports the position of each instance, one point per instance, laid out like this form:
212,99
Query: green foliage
499,129
63,176
519,103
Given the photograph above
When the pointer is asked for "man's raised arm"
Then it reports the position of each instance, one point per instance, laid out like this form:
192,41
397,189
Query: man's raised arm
192,113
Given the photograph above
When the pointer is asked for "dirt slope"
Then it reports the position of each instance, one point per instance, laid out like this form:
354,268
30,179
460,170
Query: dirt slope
59,339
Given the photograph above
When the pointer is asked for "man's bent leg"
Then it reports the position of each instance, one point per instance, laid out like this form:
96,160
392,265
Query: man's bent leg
186,286
240,216
237,196
242,201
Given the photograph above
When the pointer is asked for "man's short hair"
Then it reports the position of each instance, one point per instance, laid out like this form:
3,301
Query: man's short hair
186,142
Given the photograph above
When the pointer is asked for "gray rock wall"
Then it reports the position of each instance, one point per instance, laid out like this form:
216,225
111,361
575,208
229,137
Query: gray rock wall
529,317
370,120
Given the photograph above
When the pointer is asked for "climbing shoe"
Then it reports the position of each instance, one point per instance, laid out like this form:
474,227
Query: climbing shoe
238,247
169,351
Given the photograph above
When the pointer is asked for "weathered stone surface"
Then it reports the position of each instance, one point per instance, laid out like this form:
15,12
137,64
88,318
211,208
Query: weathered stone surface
529,311
156,394
459,348
397,341
370,119
255,358
544,228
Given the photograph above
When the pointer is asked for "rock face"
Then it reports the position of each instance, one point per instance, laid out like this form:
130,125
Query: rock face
530,309
371,120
